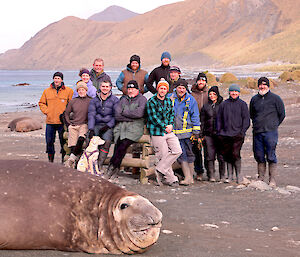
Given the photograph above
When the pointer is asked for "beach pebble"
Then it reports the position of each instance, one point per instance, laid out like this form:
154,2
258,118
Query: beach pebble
293,189
161,201
228,187
248,250
275,229
211,225
260,185
166,231
240,187
283,191
225,222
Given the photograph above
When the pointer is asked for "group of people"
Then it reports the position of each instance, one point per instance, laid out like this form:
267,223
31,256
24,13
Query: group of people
181,122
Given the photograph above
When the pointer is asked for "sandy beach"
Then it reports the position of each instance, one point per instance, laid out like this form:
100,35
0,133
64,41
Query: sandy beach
205,219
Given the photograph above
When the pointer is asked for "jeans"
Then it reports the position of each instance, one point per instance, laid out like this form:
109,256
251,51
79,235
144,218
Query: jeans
50,137
264,146
187,152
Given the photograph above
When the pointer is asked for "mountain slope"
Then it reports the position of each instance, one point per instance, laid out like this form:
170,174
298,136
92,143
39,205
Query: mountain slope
196,32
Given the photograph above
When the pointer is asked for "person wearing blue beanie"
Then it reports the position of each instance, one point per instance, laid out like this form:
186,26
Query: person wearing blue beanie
162,71
165,55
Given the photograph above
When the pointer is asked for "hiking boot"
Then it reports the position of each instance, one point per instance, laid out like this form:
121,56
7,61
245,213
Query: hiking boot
70,163
51,157
111,172
229,172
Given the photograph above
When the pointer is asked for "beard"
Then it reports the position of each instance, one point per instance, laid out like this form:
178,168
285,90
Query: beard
263,91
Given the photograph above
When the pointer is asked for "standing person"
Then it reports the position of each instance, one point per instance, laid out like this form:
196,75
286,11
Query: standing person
232,123
200,93
77,124
53,103
267,113
97,74
187,123
208,116
129,115
101,118
174,76
162,71
84,74
160,124
133,71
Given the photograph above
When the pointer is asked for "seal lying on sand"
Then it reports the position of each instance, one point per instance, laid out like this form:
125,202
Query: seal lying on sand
24,124
48,206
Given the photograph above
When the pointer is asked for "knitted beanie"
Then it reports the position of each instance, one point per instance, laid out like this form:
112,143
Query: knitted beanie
132,84
165,55
58,74
162,82
263,79
234,87
135,58
81,84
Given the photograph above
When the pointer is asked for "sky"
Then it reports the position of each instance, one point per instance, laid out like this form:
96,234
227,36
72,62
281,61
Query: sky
22,19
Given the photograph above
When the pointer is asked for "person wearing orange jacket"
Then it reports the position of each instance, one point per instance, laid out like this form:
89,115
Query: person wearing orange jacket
53,103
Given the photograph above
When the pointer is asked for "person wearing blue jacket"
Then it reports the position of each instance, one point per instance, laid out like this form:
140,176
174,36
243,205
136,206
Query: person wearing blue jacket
232,123
101,118
187,123
267,113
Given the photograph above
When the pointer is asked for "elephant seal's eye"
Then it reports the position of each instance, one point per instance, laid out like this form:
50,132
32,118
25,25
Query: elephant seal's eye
123,206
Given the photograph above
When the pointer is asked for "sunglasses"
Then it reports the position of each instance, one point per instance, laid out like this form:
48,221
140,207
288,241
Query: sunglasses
204,79
264,83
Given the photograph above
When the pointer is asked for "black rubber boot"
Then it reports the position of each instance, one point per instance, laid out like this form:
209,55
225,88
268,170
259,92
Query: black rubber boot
211,171
78,147
101,158
261,170
238,166
222,171
51,157
229,172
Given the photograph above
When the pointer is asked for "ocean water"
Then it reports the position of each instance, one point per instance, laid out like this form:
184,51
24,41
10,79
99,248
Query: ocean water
19,98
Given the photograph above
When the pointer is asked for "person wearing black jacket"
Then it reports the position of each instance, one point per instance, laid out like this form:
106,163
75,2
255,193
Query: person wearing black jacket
232,123
162,71
267,113
208,116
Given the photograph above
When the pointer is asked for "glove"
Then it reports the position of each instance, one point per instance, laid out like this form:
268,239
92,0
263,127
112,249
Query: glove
104,129
196,137
91,133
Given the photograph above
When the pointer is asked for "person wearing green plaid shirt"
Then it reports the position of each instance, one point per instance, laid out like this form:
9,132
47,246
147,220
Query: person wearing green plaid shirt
160,125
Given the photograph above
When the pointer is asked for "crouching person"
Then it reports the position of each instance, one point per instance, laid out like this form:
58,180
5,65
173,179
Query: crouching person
187,123
129,115
165,143
76,116
101,120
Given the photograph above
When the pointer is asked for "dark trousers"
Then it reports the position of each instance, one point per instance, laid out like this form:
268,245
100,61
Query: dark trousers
198,163
212,149
120,149
231,147
264,146
50,137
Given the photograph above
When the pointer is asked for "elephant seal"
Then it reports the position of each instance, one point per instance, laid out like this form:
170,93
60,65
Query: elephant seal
24,124
47,206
